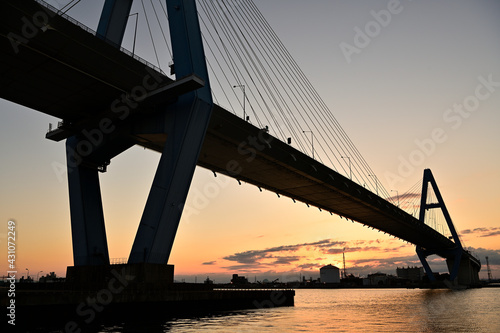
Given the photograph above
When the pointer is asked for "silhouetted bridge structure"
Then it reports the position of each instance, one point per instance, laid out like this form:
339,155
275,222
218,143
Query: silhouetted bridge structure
109,101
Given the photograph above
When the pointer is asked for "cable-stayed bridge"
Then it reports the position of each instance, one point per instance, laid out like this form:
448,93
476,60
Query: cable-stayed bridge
110,100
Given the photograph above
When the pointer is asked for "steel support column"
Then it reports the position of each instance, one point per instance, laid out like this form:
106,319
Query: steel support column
113,21
87,218
422,255
185,123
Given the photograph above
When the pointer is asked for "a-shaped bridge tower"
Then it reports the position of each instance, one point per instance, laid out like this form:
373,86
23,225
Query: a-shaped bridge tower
463,270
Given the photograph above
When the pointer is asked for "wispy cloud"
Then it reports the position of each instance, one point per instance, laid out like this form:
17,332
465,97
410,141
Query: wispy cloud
289,266
284,255
492,233
254,256
309,266
209,262
481,253
482,232
352,249
286,260
248,268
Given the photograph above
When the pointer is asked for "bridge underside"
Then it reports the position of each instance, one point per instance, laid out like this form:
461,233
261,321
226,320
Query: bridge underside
67,72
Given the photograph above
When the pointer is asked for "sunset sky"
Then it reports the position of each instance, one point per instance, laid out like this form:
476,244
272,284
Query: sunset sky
420,72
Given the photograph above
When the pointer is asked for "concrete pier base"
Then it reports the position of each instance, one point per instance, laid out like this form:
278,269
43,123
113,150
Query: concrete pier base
130,292
468,273
104,276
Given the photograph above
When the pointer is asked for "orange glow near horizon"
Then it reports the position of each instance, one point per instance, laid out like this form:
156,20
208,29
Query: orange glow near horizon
279,238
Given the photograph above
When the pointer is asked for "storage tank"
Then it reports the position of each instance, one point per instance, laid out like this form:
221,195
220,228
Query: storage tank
329,274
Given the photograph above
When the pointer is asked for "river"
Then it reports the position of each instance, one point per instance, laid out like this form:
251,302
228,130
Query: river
353,310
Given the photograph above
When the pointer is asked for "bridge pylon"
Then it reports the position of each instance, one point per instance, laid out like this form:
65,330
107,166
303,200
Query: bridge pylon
185,122
181,116
464,270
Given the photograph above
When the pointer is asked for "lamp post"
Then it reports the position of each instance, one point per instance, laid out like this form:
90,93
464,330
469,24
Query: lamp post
135,32
350,170
242,86
376,182
397,194
312,141
37,275
28,276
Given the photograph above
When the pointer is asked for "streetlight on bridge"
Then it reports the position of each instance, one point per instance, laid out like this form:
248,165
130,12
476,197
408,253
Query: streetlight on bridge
242,86
312,141
135,32
37,275
350,170
376,182
397,194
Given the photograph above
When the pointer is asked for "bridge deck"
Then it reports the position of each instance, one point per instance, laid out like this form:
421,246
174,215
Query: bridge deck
69,73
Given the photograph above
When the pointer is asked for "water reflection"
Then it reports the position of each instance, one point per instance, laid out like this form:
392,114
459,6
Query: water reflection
343,310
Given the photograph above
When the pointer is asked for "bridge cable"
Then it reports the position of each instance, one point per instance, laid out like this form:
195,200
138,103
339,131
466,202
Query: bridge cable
266,51
269,69
249,35
314,93
219,28
236,73
150,33
286,90
307,84
211,50
257,75
160,25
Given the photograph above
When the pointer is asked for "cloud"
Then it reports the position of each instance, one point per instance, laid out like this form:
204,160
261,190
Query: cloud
253,256
283,255
482,232
310,266
333,251
481,254
288,267
402,261
352,249
483,229
405,197
389,265
247,268
493,233
286,260
209,263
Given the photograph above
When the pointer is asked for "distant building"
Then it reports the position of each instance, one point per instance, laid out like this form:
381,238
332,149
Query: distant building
351,281
381,279
377,279
413,274
49,278
329,274
239,279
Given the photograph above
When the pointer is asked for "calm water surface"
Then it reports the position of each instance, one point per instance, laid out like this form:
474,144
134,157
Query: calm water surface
354,310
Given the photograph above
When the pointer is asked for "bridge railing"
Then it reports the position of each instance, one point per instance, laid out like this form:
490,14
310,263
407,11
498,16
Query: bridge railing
93,32
118,261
